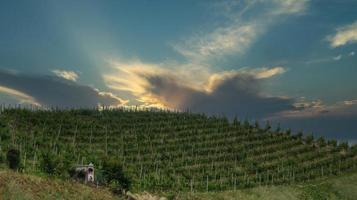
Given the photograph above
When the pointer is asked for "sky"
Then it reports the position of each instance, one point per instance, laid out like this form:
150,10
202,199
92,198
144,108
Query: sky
291,62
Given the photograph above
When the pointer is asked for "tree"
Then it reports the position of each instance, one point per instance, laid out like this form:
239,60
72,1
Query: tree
309,139
321,141
343,145
278,128
236,122
114,176
267,126
288,132
49,163
13,158
256,125
332,143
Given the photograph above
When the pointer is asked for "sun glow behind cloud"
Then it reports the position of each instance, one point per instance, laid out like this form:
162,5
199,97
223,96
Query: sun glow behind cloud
135,77
22,97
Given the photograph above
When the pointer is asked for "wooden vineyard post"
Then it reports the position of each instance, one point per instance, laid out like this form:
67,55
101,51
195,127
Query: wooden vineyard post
90,138
235,183
34,162
59,133
106,140
207,183
75,135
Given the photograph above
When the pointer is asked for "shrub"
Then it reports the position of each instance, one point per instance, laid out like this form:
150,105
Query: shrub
2,159
343,146
13,158
332,143
115,177
48,163
309,139
321,141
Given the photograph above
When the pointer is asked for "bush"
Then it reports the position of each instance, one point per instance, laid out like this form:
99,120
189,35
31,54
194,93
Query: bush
2,159
13,158
115,177
309,139
48,163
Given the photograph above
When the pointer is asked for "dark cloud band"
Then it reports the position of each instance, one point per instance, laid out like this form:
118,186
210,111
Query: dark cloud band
53,91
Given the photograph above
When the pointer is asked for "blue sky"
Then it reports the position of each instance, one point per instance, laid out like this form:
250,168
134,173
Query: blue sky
288,61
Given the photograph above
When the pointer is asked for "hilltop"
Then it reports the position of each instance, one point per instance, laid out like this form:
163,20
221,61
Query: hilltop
162,151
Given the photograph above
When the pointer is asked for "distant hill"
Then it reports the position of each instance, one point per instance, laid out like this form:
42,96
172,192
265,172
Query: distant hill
170,151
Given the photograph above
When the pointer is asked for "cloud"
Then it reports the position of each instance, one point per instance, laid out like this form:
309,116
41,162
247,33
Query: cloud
239,31
332,121
234,92
237,95
344,35
222,41
336,58
330,59
350,102
22,97
51,91
290,6
69,75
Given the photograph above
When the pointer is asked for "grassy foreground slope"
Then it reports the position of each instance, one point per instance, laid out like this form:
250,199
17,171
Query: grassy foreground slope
15,186
168,151
342,187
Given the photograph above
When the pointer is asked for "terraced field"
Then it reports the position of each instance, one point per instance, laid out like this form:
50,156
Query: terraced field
172,151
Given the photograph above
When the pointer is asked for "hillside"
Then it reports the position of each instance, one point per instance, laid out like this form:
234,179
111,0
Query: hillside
336,188
169,151
15,186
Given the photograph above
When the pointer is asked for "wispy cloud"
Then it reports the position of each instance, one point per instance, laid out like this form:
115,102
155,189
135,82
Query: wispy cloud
240,32
69,75
330,58
220,42
336,58
290,6
344,35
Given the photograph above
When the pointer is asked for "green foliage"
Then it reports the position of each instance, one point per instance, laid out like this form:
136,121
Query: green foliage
2,157
115,177
299,135
343,146
332,143
161,150
48,163
321,141
267,126
53,164
309,139
13,158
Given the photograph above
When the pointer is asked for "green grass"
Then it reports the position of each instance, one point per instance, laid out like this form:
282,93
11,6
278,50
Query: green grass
343,187
16,186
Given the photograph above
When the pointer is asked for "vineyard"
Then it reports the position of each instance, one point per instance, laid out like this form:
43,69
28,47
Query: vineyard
171,151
